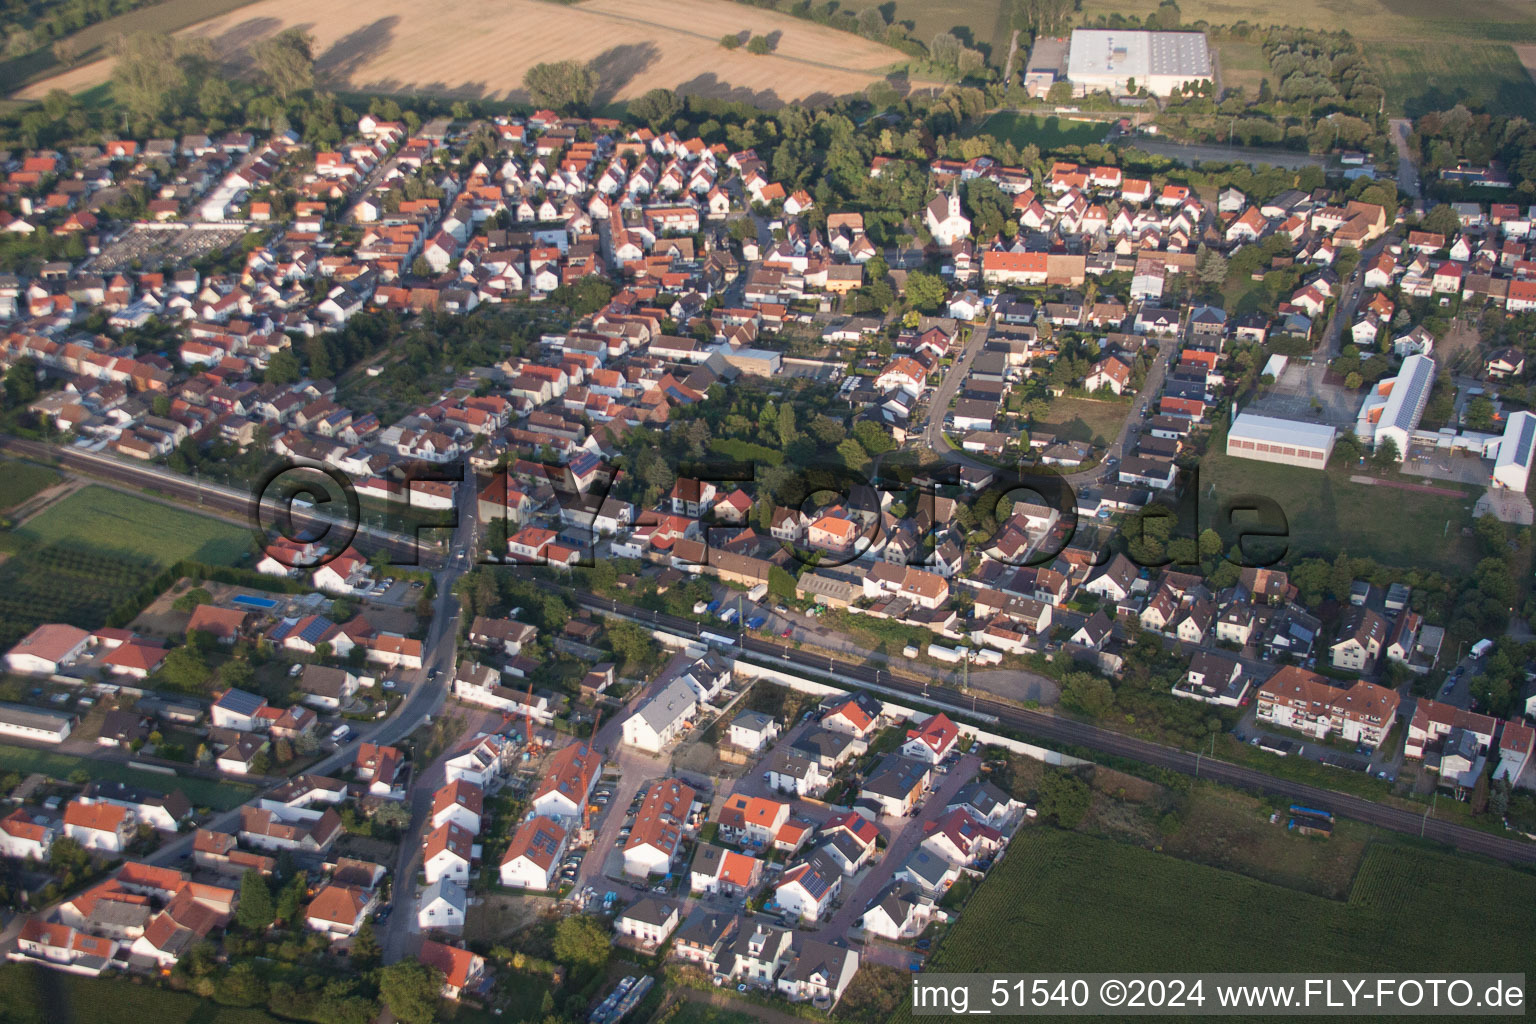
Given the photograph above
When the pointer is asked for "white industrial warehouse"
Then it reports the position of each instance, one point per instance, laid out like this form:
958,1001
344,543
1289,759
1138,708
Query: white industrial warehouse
1289,442
1118,60
1393,407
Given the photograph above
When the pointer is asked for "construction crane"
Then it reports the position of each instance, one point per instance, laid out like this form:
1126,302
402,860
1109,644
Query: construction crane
534,747
586,814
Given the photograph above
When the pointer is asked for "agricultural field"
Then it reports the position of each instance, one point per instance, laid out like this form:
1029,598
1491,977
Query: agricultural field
1428,58
1047,133
481,48
1329,513
1069,902
1083,419
218,794
20,481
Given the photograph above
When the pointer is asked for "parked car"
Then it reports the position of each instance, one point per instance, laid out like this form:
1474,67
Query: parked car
757,622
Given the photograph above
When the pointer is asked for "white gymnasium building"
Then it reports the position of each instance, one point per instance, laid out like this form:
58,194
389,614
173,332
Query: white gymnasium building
1512,465
1117,60
1289,442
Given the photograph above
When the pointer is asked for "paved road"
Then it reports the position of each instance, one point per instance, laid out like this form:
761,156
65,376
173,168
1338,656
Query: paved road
1407,168
1065,731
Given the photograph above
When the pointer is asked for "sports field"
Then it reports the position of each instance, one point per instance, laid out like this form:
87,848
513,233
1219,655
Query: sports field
103,520
481,48
1060,901
1328,513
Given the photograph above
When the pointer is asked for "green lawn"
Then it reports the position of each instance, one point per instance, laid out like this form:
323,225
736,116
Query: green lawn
1083,419
105,520
21,480
1327,513
35,994
1061,901
1045,132
202,792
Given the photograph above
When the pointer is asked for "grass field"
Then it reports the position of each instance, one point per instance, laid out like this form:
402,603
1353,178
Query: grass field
1083,419
1060,901
21,480
1045,132
101,519
1328,513
40,994
202,792
481,48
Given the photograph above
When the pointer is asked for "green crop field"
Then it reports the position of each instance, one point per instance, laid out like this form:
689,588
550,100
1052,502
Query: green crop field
104,520
21,480
213,793
1060,901
1046,133
1329,513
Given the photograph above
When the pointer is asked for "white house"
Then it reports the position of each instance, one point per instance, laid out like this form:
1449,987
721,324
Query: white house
98,827
442,905
808,888
460,802
661,717
24,837
648,921
534,854
447,853
752,731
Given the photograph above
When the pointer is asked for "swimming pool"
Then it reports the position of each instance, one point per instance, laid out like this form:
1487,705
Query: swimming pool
264,603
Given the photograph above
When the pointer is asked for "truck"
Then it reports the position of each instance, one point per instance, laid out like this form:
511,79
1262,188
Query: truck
757,622
728,616
758,592
1481,648
699,607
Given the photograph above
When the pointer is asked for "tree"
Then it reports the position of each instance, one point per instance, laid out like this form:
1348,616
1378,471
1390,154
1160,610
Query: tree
759,45
731,41
1064,798
1088,693
925,291
561,85
1353,380
1442,220
1211,268
241,986
410,989
21,382
873,437
1387,454
283,367
287,61
365,945
146,73
581,943
657,108
66,51
291,899
786,425
255,912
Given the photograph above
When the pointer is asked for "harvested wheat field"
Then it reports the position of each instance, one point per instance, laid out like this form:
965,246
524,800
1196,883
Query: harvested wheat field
480,48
